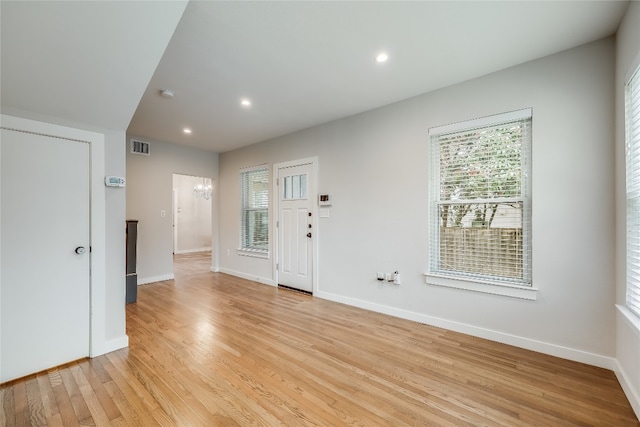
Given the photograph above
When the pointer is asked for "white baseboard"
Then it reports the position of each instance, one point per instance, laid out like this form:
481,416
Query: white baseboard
215,269
263,280
627,387
191,251
153,279
111,345
526,343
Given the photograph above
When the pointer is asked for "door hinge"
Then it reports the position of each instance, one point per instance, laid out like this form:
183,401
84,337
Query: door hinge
277,224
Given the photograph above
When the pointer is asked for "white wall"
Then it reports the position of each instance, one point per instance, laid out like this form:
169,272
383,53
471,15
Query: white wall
149,192
627,325
115,200
193,215
375,166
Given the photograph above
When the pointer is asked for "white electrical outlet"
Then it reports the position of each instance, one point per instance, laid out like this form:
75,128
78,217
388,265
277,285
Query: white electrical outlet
396,278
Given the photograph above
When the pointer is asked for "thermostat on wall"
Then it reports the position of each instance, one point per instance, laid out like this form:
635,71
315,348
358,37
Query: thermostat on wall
114,181
324,200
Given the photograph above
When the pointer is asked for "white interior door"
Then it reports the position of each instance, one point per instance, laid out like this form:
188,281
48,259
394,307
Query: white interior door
44,252
295,238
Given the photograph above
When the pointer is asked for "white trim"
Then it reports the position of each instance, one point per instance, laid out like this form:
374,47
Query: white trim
630,390
525,113
487,287
313,195
263,280
114,344
249,251
191,251
174,213
255,168
294,163
154,279
501,337
631,317
635,65
255,253
97,339
627,388
98,249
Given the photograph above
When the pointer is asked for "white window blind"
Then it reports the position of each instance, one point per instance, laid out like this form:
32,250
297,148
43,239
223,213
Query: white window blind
480,218
254,220
632,123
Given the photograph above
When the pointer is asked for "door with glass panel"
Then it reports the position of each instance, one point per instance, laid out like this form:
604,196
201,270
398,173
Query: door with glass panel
295,227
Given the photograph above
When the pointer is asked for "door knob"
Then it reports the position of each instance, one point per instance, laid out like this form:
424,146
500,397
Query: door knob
80,250
308,234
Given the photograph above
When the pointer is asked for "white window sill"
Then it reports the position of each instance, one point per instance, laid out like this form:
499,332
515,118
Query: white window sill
255,253
630,316
503,289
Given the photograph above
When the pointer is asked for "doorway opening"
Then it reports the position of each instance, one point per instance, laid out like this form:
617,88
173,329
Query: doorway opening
192,224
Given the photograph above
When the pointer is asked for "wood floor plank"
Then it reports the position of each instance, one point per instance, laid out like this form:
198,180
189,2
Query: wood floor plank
3,416
96,386
51,411
7,415
133,412
88,393
68,398
35,402
21,405
208,349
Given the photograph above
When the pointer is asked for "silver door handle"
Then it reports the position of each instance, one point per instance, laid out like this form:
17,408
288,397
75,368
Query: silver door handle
80,250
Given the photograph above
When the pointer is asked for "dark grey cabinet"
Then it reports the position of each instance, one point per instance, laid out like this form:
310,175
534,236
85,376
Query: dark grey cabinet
132,275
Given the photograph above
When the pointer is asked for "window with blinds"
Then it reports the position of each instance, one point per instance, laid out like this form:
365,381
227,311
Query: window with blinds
632,134
480,218
254,216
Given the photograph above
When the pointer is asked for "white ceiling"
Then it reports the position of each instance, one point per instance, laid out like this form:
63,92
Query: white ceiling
302,63
85,62
307,63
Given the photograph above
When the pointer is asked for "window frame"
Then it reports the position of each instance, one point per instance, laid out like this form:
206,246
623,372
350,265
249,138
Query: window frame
244,249
465,280
632,192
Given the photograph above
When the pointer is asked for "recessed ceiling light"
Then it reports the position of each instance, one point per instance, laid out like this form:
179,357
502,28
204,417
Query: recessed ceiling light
382,57
166,93
186,130
245,102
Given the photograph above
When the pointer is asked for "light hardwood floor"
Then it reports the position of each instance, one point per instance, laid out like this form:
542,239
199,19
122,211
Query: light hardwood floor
209,349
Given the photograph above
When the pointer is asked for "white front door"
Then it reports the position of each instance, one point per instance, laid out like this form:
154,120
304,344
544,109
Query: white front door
44,252
295,227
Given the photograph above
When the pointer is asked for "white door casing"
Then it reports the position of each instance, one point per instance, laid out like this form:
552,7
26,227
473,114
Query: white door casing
45,245
296,224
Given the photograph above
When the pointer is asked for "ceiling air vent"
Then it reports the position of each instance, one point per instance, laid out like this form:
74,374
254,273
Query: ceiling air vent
139,147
